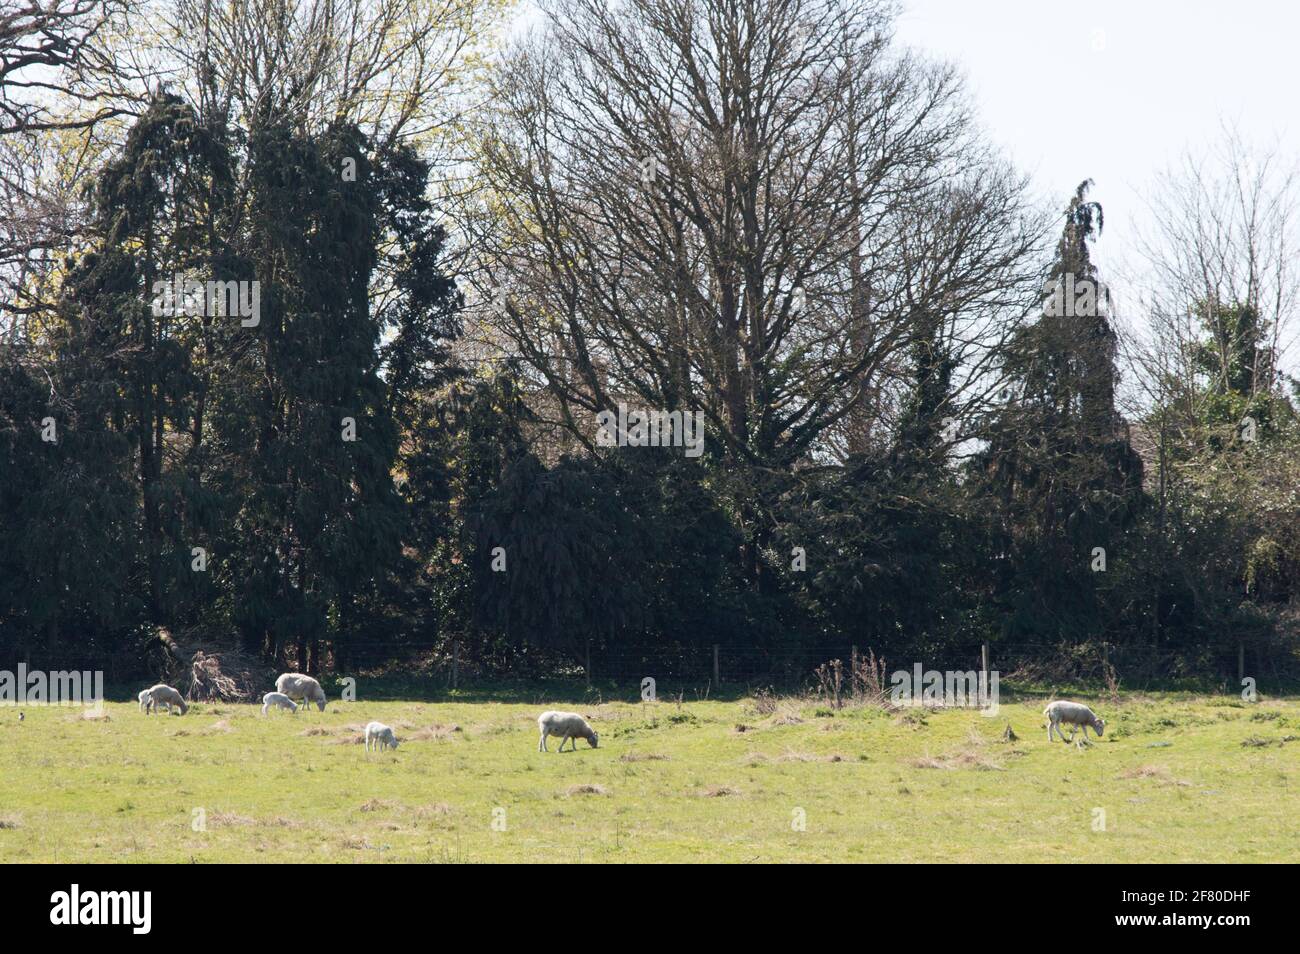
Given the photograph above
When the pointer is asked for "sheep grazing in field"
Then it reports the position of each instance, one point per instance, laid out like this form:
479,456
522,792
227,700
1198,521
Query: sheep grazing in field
145,699
380,736
1075,715
279,700
163,695
568,725
297,686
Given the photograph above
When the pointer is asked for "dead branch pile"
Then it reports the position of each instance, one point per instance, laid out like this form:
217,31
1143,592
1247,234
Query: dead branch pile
227,677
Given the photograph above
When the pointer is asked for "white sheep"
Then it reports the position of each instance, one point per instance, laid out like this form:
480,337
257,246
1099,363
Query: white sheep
164,695
279,700
297,686
569,725
1075,715
380,735
145,700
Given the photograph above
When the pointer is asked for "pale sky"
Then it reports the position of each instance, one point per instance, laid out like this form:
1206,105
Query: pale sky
1115,91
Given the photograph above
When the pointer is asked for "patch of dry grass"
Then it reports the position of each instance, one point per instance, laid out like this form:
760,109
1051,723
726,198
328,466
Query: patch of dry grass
717,791
229,820
380,805
586,789
785,718
280,821
440,733
352,735
1157,773
792,756
959,759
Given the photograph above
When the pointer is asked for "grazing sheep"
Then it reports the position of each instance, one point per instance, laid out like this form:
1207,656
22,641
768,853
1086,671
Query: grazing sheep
569,725
297,686
1074,715
279,700
381,735
145,699
163,695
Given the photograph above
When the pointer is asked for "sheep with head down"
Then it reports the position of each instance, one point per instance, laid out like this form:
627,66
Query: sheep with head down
164,695
380,736
1075,715
278,700
569,726
295,685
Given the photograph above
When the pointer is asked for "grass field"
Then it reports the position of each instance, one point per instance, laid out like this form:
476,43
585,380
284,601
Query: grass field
1178,777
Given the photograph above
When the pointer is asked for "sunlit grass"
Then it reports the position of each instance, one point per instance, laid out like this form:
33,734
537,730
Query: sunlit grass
1178,778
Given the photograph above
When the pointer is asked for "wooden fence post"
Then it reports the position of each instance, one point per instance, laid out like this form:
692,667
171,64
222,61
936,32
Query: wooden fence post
717,679
455,663
984,661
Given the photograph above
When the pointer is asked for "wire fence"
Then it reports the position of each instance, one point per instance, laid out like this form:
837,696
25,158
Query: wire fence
721,667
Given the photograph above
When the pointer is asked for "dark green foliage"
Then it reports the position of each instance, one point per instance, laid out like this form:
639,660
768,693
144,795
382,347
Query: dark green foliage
1058,469
352,486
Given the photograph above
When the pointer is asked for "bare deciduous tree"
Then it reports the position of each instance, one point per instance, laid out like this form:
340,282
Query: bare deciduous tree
56,67
1226,235
753,208
399,69
51,52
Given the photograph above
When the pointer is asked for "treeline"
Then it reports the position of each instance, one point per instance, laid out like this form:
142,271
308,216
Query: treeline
290,372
